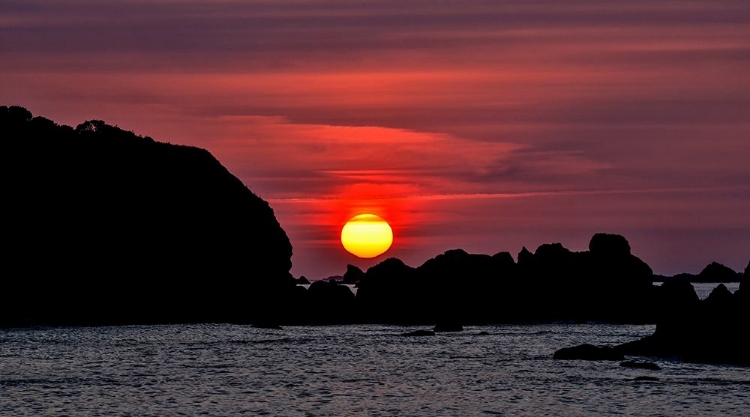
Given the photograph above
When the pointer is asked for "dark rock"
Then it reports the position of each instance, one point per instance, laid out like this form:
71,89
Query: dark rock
710,331
719,296
334,278
609,245
607,284
552,284
460,286
504,260
102,226
640,365
677,295
589,352
625,281
448,327
525,256
390,292
302,280
745,281
330,302
684,277
330,291
483,333
716,272
352,274
419,333
552,253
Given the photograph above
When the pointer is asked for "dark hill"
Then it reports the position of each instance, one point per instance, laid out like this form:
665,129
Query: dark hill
103,226
713,272
605,284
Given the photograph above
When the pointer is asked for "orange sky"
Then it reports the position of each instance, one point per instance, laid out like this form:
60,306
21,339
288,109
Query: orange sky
481,125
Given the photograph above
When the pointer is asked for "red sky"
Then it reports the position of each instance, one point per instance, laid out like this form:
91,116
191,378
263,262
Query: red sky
482,125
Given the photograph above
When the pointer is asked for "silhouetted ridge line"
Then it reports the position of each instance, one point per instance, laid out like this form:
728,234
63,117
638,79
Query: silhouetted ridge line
712,273
605,284
104,227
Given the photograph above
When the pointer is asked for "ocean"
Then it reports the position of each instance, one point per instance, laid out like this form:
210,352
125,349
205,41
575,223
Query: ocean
352,370
703,289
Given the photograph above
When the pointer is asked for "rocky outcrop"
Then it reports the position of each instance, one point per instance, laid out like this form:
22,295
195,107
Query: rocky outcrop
329,302
390,292
744,289
605,245
353,274
716,272
102,226
713,330
607,283
448,326
713,272
589,352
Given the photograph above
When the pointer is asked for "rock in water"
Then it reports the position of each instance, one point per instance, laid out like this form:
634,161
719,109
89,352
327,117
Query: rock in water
448,326
589,352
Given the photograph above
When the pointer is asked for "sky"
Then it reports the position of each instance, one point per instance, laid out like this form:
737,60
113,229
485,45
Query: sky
483,125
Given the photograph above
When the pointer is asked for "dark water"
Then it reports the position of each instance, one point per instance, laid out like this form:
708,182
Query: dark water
703,289
230,370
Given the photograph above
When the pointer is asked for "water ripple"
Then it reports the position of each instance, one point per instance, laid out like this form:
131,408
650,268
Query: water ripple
230,370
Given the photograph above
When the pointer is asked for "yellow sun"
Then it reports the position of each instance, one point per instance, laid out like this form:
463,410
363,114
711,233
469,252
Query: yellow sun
366,236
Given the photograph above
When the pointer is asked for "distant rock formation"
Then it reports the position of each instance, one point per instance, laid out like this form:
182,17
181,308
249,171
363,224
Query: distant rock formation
607,284
713,272
609,245
352,274
102,226
716,272
589,352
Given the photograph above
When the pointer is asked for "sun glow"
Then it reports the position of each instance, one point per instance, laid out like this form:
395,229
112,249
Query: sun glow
366,236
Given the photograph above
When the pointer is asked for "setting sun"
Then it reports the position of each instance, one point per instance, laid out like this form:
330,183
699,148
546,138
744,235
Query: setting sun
366,236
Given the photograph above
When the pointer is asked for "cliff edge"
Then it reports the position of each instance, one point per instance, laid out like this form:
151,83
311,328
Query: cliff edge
102,226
